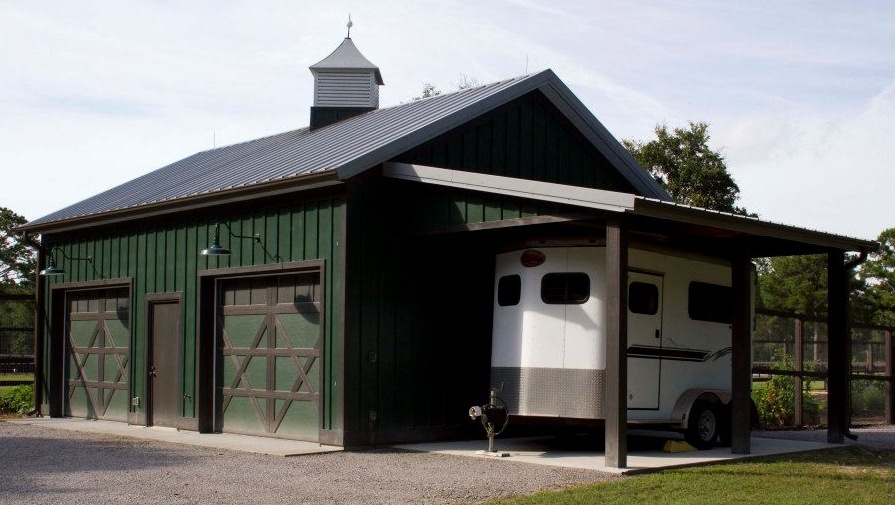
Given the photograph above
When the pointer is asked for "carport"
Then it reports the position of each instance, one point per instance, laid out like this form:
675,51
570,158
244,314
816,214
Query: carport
622,219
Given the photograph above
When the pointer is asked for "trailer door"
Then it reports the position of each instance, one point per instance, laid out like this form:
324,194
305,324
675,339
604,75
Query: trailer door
644,339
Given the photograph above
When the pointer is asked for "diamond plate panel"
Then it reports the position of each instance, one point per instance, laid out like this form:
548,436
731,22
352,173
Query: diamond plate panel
551,392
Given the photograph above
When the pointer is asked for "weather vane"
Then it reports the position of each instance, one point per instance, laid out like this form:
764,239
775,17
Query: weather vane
349,24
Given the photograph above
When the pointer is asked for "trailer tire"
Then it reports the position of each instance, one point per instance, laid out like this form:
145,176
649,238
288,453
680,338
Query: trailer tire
703,425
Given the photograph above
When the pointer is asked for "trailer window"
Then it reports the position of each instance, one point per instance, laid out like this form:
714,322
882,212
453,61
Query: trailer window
643,298
565,288
509,290
710,302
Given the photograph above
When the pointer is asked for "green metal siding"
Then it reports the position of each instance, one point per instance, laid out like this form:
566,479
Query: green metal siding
162,256
527,138
417,324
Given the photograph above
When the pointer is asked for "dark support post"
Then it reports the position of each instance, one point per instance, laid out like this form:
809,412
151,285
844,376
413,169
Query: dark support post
838,349
616,407
800,364
890,381
741,353
40,401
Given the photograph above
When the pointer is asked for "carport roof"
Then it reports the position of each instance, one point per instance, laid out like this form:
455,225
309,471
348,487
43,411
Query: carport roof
336,152
660,218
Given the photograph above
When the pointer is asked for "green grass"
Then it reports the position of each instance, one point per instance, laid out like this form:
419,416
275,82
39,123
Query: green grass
14,377
850,475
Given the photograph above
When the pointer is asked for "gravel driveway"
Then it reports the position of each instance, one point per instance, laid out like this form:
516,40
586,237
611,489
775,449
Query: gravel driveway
42,465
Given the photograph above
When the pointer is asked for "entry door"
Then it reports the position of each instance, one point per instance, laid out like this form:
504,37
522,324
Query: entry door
164,364
644,339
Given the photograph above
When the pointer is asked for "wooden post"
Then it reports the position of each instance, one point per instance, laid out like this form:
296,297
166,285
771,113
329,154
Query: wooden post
40,401
890,381
838,348
800,359
741,352
616,407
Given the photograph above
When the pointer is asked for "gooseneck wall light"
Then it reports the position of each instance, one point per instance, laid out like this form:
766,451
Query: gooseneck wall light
216,249
53,270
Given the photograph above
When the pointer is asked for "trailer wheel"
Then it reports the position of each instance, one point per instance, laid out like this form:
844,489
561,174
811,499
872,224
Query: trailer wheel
702,425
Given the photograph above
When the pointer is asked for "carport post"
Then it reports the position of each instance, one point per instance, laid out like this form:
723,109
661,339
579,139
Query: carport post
741,352
616,410
838,349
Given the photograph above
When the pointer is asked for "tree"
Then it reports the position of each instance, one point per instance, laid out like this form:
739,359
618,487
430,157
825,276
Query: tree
794,284
430,90
877,280
17,258
692,173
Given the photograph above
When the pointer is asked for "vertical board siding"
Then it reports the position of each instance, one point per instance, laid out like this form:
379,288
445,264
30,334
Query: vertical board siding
166,258
417,330
527,138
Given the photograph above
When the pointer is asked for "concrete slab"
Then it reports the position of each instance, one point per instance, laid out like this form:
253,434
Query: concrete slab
563,453
225,441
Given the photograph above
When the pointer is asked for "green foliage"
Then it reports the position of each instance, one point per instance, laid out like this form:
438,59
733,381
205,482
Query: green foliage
868,396
17,258
794,284
692,173
775,400
877,276
19,400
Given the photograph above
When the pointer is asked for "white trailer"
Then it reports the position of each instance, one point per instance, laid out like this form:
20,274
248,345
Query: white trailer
548,349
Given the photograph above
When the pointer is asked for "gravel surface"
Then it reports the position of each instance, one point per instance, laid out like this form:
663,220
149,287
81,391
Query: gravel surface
42,465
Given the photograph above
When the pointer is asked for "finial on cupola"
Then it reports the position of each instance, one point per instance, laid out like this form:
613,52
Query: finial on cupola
349,24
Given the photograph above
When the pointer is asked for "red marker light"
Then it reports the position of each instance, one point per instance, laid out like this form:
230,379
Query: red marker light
532,258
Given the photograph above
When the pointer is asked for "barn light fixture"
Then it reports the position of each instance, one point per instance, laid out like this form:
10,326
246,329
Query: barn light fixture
216,249
53,270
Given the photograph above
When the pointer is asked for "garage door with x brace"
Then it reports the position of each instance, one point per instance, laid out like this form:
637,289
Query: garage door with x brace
98,352
270,337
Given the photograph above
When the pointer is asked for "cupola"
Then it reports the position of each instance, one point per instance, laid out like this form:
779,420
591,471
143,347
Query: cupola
345,84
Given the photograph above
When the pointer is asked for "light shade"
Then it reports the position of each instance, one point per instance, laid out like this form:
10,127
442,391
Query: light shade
216,249
52,269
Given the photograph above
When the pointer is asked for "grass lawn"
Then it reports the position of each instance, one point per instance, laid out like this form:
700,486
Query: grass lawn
850,475
14,377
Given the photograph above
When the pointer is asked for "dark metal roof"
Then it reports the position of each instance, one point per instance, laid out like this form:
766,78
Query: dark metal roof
348,147
347,57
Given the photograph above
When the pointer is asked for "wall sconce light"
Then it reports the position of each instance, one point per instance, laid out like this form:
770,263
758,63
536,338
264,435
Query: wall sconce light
216,249
52,270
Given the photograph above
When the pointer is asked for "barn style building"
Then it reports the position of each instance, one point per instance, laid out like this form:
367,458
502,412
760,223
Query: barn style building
334,283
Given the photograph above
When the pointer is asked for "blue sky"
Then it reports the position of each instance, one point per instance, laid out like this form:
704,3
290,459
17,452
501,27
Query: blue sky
800,95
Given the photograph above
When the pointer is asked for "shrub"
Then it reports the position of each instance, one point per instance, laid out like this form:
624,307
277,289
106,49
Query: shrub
775,401
19,399
868,396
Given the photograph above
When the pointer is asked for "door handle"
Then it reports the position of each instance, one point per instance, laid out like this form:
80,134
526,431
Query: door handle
658,333
152,371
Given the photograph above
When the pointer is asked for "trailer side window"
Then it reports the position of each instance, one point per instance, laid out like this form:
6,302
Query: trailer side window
509,290
565,288
710,302
643,298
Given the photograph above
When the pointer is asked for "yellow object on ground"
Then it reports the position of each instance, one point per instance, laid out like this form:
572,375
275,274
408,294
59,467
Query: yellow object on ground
672,446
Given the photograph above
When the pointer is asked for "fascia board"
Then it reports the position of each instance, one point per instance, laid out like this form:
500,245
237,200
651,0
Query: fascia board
520,188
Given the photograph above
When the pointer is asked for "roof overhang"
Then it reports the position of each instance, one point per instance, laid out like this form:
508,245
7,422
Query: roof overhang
762,238
235,195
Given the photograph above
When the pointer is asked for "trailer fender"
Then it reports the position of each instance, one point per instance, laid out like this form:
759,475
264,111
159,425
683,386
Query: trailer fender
689,397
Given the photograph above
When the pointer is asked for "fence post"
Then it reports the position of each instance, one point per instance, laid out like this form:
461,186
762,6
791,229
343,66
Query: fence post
799,340
890,381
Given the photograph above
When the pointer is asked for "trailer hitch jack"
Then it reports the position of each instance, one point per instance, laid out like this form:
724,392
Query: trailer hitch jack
494,418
